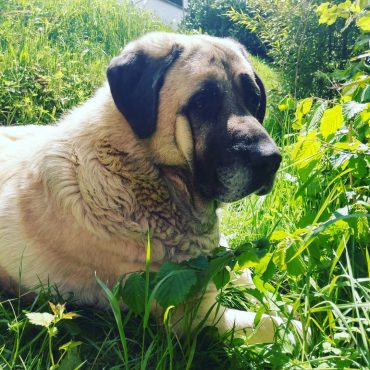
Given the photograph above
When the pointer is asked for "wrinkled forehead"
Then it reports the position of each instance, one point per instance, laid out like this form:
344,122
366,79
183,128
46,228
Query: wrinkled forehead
205,59
222,53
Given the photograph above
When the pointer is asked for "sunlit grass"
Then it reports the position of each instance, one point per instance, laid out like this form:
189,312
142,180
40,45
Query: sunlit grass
53,56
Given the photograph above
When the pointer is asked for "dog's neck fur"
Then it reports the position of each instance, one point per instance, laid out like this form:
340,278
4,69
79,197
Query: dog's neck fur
142,196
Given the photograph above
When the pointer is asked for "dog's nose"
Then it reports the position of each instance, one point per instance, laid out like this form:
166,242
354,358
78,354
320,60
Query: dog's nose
267,162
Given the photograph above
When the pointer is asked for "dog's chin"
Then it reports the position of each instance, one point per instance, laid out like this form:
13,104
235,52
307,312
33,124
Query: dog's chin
232,196
228,194
233,183
237,194
266,187
264,190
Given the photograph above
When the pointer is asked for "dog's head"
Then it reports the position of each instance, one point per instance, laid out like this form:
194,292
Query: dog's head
198,105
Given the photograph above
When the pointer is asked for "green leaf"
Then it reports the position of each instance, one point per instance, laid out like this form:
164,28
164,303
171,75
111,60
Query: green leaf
279,235
266,267
296,266
286,104
222,278
319,110
344,6
362,229
364,23
331,121
259,315
270,271
322,8
247,259
365,94
199,263
133,293
279,255
328,15
71,360
306,150
174,284
303,108
261,285
360,167
69,345
217,264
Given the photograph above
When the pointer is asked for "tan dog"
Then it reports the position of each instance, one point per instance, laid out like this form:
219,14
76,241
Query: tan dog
176,131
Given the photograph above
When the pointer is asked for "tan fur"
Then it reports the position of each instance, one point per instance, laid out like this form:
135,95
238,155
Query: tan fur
79,198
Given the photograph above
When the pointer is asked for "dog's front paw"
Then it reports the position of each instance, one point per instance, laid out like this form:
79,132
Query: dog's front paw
267,329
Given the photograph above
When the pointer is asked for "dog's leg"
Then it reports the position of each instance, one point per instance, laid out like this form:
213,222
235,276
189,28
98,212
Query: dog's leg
207,312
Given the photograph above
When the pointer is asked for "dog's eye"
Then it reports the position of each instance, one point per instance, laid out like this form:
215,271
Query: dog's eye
205,99
200,103
253,102
251,93
206,102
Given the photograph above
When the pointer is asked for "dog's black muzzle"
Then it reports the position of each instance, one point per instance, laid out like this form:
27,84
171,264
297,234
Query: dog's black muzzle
245,162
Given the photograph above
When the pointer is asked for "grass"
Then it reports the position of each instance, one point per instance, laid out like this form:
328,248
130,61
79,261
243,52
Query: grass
54,57
51,58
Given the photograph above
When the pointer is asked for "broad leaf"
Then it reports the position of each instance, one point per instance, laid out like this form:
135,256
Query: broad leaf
217,264
306,150
222,278
364,23
71,360
279,255
286,103
174,284
295,265
262,285
279,235
331,121
365,94
263,264
248,259
199,263
133,293
319,110
365,116
69,345
270,271
303,108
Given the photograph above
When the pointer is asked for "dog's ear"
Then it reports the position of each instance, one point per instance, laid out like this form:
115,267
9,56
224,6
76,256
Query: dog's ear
261,111
135,80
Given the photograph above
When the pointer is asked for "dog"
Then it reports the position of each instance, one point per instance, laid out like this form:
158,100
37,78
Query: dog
174,132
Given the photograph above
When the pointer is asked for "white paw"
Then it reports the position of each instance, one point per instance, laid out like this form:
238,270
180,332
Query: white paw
243,279
265,331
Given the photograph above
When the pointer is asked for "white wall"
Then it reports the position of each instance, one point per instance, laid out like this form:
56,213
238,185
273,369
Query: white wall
168,12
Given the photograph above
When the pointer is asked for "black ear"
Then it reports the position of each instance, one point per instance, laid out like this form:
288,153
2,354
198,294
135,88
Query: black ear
135,80
261,111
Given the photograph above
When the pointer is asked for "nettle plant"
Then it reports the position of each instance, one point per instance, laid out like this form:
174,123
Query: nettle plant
331,156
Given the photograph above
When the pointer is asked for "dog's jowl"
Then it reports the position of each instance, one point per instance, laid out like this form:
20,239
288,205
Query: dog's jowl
176,130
